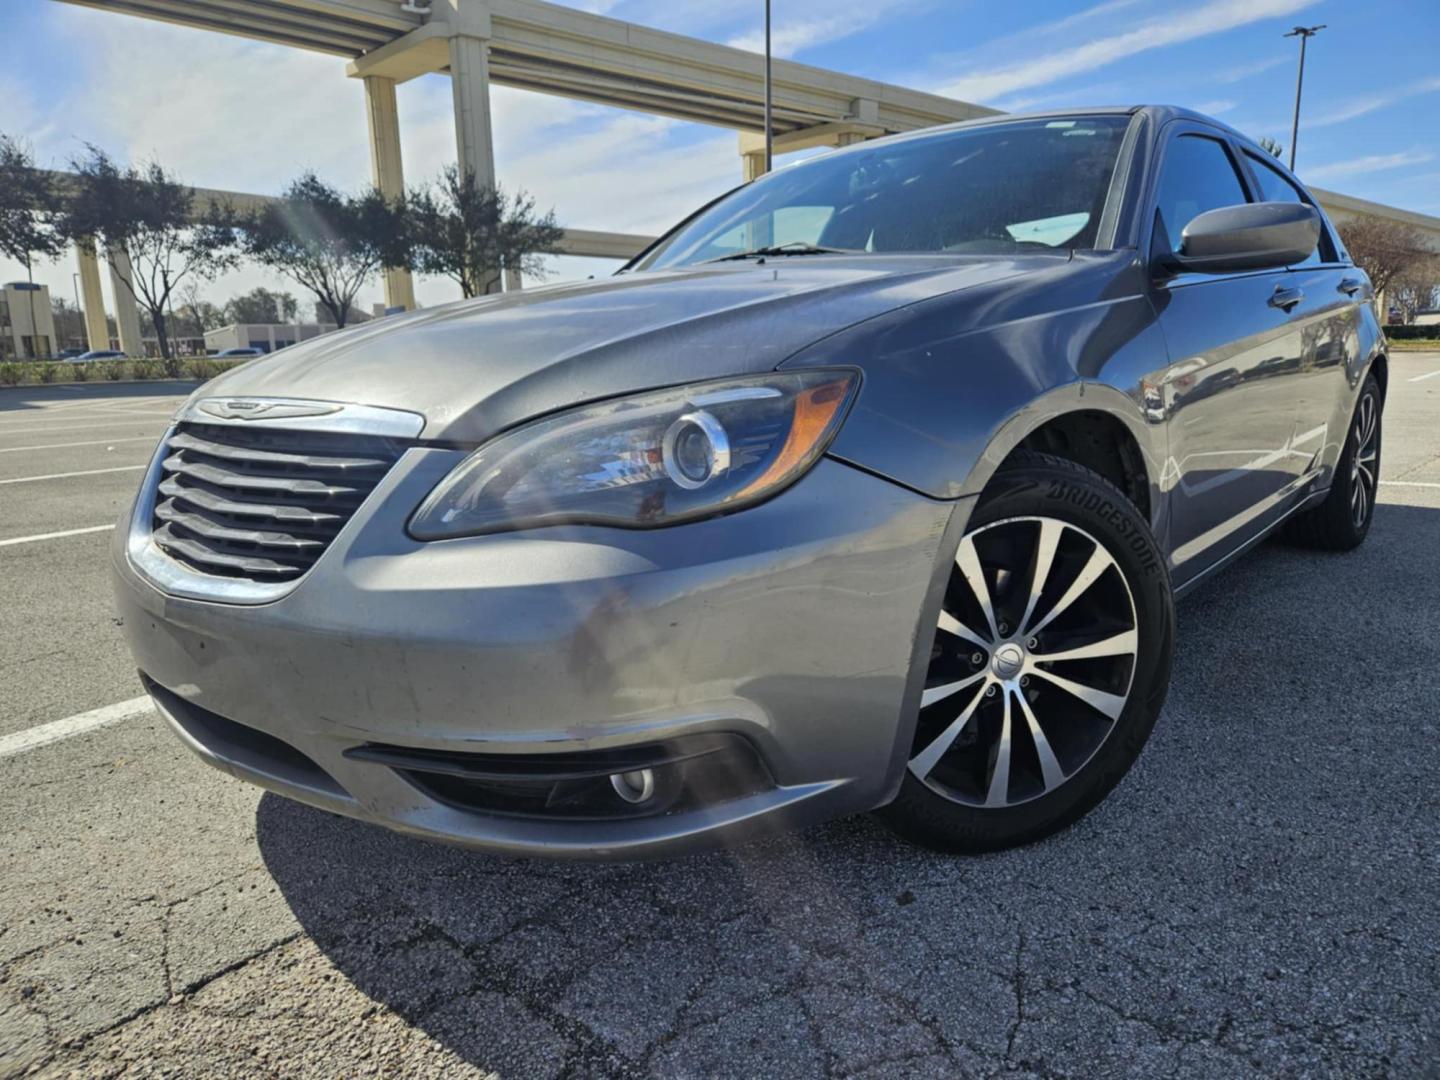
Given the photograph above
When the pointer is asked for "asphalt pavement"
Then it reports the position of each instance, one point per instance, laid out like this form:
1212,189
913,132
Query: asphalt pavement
1257,899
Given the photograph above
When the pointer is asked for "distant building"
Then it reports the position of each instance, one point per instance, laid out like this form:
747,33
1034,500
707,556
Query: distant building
267,336
20,336
1428,317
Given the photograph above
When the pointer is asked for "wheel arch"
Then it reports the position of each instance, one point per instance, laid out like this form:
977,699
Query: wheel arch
1091,424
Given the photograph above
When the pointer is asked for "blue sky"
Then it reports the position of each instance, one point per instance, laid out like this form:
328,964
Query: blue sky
229,113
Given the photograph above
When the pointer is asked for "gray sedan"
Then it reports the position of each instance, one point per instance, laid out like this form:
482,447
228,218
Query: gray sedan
870,485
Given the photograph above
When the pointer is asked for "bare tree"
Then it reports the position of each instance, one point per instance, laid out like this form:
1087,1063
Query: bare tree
471,232
1385,250
1414,290
28,204
147,214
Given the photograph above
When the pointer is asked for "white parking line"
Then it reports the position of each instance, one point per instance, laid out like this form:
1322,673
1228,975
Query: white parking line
55,535
1427,375
1407,483
67,445
44,734
67,475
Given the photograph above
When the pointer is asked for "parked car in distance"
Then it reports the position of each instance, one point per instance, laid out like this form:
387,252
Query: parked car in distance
226,354
100,354
70,354
868,486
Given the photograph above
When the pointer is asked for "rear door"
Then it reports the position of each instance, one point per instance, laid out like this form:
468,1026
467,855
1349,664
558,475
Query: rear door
1235,346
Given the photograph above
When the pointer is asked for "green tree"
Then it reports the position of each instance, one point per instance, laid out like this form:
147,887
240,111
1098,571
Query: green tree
28,206
326,241
145,212
471,232
262,305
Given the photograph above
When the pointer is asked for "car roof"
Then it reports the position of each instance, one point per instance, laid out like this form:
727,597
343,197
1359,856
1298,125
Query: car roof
1161,114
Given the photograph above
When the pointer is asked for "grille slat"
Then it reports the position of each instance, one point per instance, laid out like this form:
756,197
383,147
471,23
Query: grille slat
203,498
261,503
276,458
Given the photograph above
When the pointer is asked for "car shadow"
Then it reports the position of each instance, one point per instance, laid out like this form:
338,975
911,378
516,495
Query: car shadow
1256,824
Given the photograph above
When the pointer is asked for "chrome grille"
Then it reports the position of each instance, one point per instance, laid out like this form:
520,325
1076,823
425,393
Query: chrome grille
261,503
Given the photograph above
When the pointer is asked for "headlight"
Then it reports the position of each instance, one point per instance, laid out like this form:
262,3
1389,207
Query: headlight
647,461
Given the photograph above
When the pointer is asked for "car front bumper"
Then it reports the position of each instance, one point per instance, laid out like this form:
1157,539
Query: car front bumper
793,625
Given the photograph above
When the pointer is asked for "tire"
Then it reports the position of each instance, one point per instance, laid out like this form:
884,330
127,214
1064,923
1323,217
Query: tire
1101,550
1342,521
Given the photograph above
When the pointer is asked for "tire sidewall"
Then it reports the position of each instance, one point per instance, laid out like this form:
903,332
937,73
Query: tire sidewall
1078,497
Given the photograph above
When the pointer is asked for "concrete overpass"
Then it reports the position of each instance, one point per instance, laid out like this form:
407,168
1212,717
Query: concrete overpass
551,49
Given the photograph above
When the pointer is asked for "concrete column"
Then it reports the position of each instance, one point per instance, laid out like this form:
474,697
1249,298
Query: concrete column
474,142
470,85
752,165
127,312
512,280
387,173
97,332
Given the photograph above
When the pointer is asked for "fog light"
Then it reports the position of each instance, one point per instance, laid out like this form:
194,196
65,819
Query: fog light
695,450
634,787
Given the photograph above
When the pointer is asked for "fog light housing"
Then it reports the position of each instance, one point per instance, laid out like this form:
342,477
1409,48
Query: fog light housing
634,787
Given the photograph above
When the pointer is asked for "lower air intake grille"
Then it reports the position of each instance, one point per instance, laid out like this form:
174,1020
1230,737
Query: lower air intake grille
260,503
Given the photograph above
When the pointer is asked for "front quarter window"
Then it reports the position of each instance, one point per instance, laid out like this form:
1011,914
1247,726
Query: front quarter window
1025,185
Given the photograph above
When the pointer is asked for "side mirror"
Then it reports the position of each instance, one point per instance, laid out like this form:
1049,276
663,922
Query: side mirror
1255,236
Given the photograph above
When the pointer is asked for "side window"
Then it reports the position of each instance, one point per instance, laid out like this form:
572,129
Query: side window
1275,186
1197,175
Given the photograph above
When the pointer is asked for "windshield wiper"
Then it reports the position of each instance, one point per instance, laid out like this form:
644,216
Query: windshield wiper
793,248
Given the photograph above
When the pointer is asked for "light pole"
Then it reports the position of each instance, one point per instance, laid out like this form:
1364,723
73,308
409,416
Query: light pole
1304,33
769,144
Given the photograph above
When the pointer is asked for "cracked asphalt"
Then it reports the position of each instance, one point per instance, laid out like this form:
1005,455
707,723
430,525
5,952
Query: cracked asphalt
1257,899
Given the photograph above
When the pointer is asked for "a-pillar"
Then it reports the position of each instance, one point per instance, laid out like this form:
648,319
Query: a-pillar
387,172
127,312
97,330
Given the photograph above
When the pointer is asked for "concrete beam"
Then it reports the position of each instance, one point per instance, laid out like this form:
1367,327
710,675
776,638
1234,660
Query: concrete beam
836,133
97,330
387,173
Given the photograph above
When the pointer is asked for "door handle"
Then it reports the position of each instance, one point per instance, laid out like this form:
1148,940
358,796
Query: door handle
1285,299
1350,286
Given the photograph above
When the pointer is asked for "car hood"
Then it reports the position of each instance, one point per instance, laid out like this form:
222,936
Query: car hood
478,366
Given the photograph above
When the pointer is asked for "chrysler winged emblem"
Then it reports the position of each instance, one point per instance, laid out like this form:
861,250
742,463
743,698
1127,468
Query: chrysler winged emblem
269,409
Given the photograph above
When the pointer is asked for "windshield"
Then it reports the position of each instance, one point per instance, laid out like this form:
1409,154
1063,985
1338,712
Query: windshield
997,188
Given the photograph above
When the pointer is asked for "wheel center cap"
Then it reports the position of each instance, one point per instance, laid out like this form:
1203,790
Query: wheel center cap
1008,660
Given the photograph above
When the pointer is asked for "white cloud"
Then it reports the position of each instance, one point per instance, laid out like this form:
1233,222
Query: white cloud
1215,108
1374,102
807,30
1170,29
1369,164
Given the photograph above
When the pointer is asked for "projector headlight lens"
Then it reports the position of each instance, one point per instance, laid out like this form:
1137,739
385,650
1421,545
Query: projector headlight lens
646,461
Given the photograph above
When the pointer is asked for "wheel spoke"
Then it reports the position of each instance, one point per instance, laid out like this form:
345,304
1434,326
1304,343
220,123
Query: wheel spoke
1365,459
1100,561
1109,704
1050,532
923,762
940,693
999,792
952,625
968,560
1123,644
1050,768
1369,477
